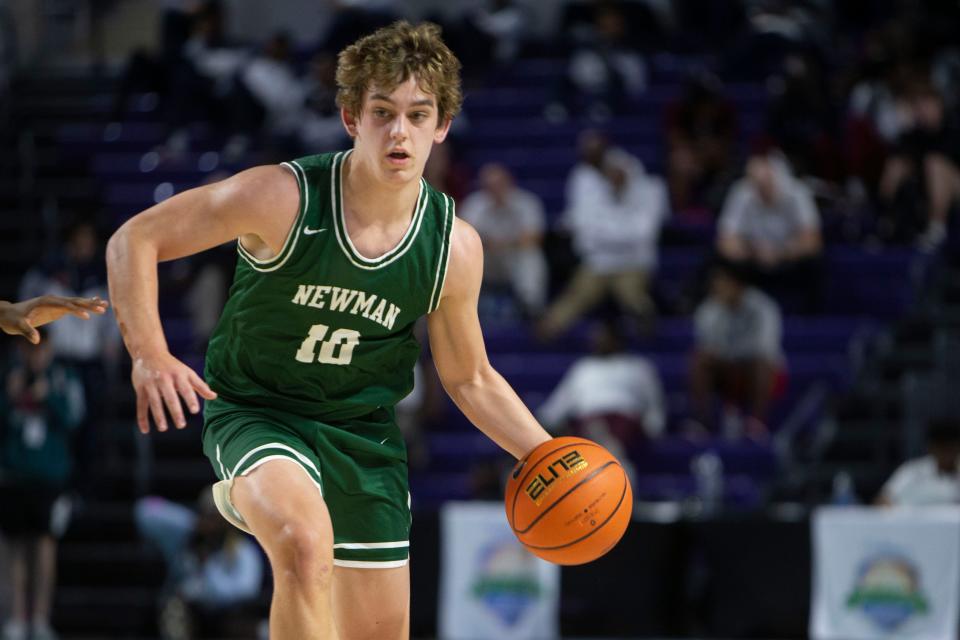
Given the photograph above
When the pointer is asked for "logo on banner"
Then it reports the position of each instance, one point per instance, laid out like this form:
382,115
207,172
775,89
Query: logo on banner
888,590
507,582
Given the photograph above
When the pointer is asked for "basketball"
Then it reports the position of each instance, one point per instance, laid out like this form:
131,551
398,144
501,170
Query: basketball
569,501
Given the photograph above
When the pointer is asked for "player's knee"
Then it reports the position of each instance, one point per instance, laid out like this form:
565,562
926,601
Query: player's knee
304,556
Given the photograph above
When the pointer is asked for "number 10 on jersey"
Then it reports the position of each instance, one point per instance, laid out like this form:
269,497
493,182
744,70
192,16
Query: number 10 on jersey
338,349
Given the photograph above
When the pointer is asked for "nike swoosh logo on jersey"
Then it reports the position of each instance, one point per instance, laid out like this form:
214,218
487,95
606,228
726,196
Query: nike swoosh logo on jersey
307,231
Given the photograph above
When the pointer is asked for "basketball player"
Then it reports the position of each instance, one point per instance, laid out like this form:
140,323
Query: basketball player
23,318
339,254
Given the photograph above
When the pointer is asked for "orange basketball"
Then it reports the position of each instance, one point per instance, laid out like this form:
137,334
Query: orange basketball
569,501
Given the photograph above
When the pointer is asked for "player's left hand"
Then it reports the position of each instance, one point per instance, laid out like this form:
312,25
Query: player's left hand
22,318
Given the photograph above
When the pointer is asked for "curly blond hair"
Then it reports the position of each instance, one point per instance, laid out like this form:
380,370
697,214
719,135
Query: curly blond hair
389,56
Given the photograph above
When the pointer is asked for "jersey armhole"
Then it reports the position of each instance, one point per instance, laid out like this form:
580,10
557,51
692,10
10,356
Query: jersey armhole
449,217
290,243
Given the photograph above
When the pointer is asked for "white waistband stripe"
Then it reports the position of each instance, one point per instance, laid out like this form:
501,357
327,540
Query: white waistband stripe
372,545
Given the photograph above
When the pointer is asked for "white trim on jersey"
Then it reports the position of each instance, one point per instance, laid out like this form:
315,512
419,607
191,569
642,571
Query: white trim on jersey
340,224
447,242
292,237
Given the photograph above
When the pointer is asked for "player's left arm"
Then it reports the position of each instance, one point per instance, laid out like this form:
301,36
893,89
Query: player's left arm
460,356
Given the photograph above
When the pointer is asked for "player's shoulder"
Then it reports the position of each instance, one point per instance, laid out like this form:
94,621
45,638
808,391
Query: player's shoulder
466,258
257,187
464,238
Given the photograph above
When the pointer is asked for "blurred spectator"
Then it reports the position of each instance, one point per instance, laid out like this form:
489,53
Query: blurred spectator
295,114
700,133
201,284
511,224
146,71
409,415
614,212
737,356
933,479
801,118
503,23
89,346
945,75
445,172
353,19
878,79
204,85
611,396
270,97
488,33
41,403
603,69
321,128
214,572
775,30
425,405
871,122
924,166
770,227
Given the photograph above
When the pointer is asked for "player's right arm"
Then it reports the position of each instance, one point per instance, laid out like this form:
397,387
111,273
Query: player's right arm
257,206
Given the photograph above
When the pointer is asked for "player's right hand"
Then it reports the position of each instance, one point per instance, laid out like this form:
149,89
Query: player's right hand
161,381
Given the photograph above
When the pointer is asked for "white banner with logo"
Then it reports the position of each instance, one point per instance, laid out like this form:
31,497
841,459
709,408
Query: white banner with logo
885,573
490,586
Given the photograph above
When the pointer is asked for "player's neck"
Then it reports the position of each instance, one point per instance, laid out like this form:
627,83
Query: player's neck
368,200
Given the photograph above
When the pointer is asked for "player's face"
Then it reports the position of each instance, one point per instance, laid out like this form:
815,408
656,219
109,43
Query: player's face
396,130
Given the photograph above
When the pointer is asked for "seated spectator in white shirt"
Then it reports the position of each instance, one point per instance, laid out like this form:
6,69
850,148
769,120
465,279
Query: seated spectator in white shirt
612,397
770,226
933,479
214,572
277,93
511,224
614,212
737,355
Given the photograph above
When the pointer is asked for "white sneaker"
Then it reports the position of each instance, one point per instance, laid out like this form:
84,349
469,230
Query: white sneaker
43,631
732,424
14,630
221,498
932,238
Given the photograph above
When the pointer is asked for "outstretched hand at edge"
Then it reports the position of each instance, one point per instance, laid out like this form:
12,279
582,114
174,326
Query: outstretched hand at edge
22,318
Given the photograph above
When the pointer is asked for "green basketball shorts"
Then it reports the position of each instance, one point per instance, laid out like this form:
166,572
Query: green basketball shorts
358,465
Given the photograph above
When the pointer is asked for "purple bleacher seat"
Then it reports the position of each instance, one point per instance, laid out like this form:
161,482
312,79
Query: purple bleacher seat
740,490
186,168
136,134
136,195
523,131
429,489
674,454
543,371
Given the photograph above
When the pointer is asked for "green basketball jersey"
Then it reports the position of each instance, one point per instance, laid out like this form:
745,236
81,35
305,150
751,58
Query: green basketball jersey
320,330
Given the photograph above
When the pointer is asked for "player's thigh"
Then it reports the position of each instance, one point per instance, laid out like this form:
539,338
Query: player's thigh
372,604
285,511
273,473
